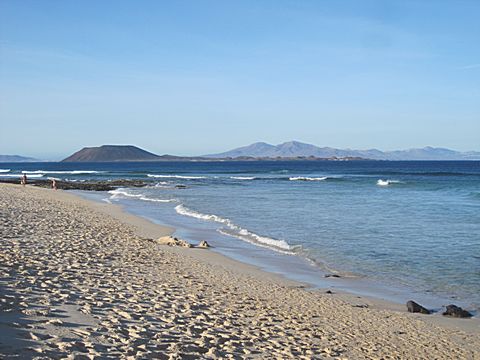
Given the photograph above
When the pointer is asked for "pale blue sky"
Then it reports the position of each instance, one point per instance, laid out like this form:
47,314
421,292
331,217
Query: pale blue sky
196,77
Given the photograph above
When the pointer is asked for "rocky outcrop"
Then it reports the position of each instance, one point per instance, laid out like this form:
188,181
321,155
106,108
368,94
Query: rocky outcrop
414,307
173,241
332,276
456,311
204,245
91,185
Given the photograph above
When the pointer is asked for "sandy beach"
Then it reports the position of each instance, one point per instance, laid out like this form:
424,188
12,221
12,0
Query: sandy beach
78,278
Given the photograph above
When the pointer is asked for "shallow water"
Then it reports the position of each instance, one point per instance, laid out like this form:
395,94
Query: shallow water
404,225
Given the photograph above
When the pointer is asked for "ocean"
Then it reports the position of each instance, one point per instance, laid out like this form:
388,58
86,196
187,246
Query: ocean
396,230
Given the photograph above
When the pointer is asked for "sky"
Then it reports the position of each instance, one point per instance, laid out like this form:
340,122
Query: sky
198,77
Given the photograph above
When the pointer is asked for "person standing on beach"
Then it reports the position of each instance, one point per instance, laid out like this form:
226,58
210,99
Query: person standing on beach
54,184
23,180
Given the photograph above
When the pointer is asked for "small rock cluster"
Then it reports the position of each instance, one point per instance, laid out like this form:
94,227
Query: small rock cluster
173,241
452,310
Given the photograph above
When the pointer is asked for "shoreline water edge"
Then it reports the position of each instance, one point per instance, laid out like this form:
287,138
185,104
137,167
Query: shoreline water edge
395,230
274,259
77,277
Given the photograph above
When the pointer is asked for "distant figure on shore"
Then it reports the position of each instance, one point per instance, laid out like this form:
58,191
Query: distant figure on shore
54,184
23,180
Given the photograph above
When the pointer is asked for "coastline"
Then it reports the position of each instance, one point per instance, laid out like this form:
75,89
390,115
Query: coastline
352,289
350,229
291,266
294,321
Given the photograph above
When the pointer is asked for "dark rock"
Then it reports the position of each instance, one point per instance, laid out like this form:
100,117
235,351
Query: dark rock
203,244
329,292
413,307
456,311
332,275
361,306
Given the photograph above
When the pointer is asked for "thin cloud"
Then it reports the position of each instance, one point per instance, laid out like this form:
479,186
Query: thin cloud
471,66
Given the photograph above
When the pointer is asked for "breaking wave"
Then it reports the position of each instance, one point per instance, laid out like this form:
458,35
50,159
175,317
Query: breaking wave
175,176
234,230
71,172
75,180
2,171
381,182
119,193
160,184
19,175
243,177
304,178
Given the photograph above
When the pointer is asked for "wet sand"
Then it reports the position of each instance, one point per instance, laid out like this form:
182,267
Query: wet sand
81,278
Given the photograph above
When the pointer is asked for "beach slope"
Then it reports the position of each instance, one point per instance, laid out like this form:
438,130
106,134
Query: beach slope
83,278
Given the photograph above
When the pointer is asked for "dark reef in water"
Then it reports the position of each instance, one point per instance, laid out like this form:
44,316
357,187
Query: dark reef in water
95,185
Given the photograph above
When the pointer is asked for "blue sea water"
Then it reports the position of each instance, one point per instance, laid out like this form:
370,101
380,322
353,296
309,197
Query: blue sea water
411,226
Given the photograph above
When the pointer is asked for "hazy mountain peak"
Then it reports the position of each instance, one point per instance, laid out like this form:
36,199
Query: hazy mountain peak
17,158
295,148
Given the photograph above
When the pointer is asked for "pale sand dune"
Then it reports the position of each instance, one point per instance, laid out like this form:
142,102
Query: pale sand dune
78,278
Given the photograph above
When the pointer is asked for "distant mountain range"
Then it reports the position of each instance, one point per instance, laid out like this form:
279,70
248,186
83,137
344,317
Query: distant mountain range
295,149
292,150
16,158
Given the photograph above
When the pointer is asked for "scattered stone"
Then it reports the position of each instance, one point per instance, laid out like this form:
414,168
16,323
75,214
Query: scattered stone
183,243
167,240
413,307
329,292
361,306
203,244
332,276
457,311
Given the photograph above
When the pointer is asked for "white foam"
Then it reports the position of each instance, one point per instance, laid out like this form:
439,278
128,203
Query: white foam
72,172
237,231
4,170
118,193
243,177
304,178
145,198
263,241
182,210
20,175
161,184
175,176
75,180
381,182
